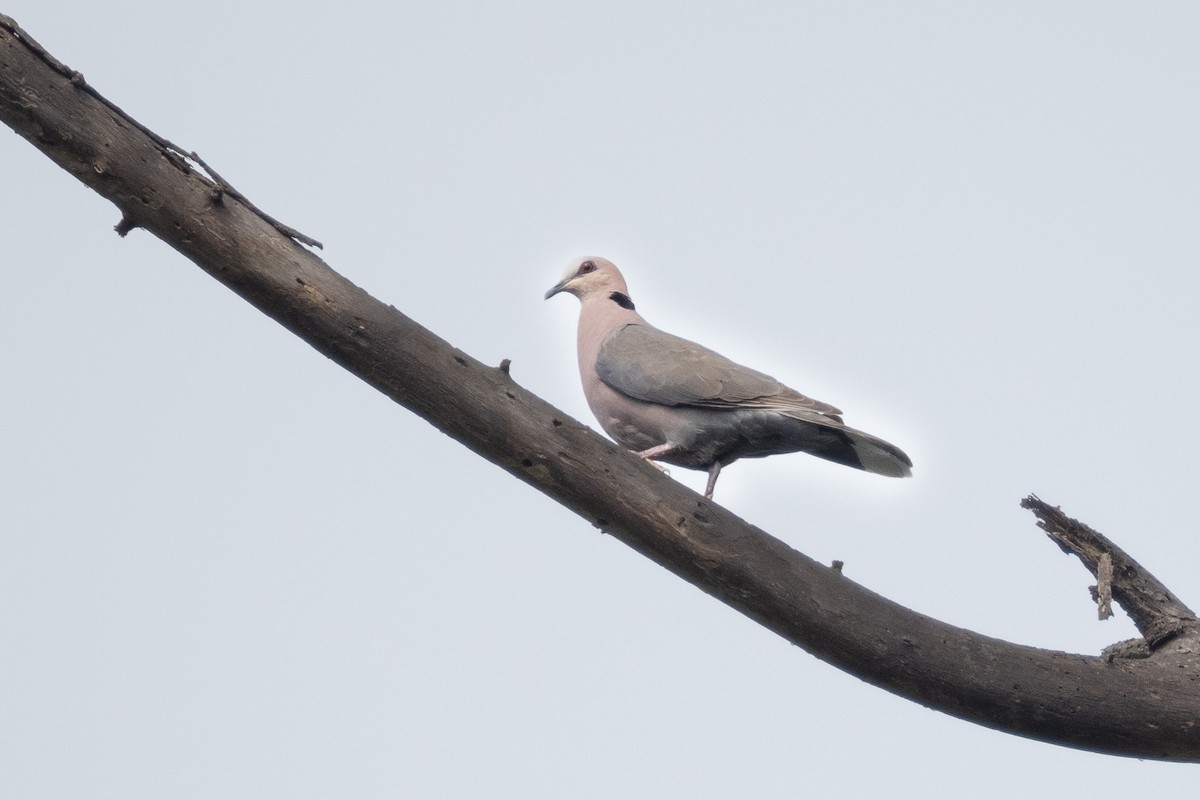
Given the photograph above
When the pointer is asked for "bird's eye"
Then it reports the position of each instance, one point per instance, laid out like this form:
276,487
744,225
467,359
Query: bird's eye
586,267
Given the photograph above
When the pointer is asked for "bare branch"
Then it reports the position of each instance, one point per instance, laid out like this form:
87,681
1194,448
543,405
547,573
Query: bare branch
1158,614
169,148
1145,707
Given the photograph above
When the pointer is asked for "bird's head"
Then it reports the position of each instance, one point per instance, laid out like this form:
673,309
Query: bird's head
588,275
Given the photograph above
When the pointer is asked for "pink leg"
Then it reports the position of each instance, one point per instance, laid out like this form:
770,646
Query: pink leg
713,472
655,452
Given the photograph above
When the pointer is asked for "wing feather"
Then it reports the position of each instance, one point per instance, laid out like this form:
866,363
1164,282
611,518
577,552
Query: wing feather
647,364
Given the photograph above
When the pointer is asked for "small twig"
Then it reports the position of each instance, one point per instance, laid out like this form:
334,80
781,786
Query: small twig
227,187
1158,614
173,151
124,226
1104,576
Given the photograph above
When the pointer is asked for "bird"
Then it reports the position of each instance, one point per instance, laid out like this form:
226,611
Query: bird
669,399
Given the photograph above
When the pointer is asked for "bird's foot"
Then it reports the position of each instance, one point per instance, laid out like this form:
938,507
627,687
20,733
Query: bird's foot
656,452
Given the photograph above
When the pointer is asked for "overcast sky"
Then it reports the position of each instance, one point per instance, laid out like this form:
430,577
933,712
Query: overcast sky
230,569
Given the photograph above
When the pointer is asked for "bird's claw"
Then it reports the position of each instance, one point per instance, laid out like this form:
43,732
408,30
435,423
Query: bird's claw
656,465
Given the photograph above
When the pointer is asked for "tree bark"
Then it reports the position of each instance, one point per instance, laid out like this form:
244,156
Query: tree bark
1148,706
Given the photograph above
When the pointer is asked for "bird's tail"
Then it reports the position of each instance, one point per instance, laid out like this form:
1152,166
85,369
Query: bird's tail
876,455
854,448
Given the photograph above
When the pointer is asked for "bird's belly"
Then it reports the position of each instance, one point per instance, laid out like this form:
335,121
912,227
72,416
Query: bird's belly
701,437
635,425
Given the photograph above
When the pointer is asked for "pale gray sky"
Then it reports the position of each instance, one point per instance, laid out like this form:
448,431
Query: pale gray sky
229,569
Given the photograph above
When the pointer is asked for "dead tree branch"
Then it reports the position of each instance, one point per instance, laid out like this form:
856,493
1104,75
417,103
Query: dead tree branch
1149,707
1158,614
169,148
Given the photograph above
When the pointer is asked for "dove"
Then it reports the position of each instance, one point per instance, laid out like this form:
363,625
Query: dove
671,400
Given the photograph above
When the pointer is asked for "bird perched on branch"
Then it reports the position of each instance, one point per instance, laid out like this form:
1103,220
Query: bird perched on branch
669,399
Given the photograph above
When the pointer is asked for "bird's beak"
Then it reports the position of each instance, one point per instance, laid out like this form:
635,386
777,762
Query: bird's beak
556,288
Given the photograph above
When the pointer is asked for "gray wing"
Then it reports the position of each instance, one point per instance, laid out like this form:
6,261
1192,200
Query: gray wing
651,365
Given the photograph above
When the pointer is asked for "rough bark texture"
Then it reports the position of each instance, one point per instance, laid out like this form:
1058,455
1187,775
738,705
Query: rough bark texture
1147,707
1158,614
